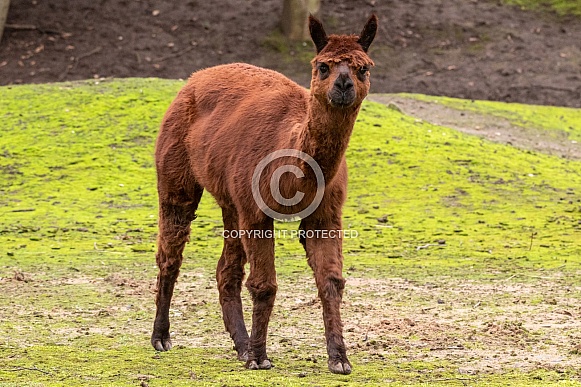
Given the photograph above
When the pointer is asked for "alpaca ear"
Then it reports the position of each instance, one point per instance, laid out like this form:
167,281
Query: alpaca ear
317,33
368,33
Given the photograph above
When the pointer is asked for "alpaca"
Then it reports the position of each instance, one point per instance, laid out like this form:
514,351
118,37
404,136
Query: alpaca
222,123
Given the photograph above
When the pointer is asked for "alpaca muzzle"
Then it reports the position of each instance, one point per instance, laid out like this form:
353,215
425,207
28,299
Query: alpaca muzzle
339,98
343,92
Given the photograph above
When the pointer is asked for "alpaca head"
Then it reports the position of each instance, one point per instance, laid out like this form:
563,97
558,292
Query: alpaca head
341,68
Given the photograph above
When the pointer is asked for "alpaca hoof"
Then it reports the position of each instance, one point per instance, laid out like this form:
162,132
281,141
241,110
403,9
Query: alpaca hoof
340,367
264,365
243,356
161,345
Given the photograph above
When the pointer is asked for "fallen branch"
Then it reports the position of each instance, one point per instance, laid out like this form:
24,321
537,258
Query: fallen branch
24,210
65,73
427,245
31,27
25,27
92,52
27,369
532,237
76,61
174,55
461,380
427,73
458,347
554,88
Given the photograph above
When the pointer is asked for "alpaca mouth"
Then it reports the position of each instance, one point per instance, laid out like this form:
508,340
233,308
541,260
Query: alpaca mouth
339,98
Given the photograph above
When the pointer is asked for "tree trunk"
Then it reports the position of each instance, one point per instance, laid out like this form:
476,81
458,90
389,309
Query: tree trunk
294,18
3,13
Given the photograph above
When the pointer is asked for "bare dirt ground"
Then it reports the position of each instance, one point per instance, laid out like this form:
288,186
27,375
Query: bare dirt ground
468,49
523,322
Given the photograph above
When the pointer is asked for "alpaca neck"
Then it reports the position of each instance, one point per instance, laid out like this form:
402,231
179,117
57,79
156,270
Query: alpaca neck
327,135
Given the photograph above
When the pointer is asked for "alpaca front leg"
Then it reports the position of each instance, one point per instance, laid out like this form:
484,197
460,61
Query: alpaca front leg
262,286
229,276
324,252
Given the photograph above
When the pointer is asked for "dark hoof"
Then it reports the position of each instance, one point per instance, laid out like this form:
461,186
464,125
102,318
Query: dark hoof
264,365
243,356
161,344
340,367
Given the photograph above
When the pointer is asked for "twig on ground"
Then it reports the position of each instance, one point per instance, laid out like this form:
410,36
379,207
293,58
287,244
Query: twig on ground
94,51
31,27
429,62
413,75
547,87
426,246
424,72
24,27
76,61
539,277
461,380
532,237
27,369
174,55
458,347
24,210
65,73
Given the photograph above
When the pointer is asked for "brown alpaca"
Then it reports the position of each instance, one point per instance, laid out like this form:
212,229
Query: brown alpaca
223,122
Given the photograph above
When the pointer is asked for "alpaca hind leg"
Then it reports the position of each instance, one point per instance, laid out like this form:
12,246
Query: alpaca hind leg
174,230
262,286
229,276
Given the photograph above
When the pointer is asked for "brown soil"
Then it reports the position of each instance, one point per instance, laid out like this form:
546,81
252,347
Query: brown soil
467,49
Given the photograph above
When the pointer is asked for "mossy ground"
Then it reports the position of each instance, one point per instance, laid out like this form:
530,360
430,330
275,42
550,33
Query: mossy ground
466,267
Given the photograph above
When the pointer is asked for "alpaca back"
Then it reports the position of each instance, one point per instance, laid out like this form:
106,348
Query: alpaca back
227,118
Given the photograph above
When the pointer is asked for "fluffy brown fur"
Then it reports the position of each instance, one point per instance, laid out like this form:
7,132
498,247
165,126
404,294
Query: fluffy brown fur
221,124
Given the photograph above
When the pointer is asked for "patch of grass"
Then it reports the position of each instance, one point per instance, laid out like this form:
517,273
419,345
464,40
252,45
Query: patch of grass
78,181
483,200
562,7
429,205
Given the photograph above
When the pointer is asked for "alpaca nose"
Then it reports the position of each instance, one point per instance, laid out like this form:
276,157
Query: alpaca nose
343,82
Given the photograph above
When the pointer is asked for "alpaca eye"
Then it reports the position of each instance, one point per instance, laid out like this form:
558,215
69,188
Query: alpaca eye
323,68
363,70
